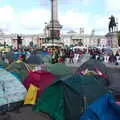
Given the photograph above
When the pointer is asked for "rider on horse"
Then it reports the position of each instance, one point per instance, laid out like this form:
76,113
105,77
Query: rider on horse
112,24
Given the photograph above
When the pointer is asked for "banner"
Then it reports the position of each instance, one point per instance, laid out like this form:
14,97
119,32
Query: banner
31,95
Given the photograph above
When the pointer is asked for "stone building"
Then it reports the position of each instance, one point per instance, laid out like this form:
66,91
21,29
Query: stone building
84,40
66,39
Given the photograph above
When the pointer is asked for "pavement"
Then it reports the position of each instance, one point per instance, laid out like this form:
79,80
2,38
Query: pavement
77,64
26,113
110,65
114,78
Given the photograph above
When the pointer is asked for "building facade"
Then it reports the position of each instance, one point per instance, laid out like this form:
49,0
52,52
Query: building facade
84,40
67,39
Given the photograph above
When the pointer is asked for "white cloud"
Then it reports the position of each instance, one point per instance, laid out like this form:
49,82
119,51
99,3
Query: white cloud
113,5
34,18
74,20
86,2
33,21
24,22
8,17
7,14
83,2
101,24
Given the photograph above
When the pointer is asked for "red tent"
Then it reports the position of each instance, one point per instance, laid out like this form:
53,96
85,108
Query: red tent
41,79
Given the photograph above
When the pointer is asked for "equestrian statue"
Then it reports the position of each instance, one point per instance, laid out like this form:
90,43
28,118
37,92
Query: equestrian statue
112,24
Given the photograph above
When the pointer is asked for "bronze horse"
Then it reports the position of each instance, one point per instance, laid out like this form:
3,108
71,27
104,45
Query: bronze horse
112,24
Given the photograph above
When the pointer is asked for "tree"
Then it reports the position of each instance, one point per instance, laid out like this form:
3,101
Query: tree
118,36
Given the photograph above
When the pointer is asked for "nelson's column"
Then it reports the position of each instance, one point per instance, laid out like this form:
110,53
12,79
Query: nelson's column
54,26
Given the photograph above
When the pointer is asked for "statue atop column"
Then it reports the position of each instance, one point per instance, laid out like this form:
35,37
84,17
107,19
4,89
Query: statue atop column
112,24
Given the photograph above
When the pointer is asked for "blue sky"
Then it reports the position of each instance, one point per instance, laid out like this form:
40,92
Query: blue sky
29,16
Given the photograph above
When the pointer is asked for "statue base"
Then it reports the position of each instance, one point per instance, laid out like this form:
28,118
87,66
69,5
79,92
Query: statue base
112,39
56,27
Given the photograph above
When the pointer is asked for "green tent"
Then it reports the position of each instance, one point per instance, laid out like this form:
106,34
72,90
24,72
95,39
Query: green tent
47,59
66,99
20,69
59,69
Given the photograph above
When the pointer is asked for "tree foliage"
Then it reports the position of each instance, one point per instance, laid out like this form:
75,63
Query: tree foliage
118,36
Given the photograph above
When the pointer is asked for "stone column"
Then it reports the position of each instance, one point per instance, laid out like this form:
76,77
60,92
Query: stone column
54,10
54,27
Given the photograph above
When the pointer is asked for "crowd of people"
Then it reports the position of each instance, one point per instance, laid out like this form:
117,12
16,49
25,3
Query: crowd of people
60,55
57,54
101,55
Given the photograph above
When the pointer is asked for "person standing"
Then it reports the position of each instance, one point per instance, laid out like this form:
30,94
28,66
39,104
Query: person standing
71,57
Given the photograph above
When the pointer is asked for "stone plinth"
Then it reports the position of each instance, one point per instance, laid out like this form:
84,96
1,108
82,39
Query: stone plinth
56,25
112,39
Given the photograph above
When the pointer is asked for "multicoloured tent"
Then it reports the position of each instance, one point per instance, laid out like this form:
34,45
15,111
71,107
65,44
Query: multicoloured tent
40,79
11,90
59,69
67,98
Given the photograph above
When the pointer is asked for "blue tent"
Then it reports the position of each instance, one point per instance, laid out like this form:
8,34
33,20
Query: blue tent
104,108
44,53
